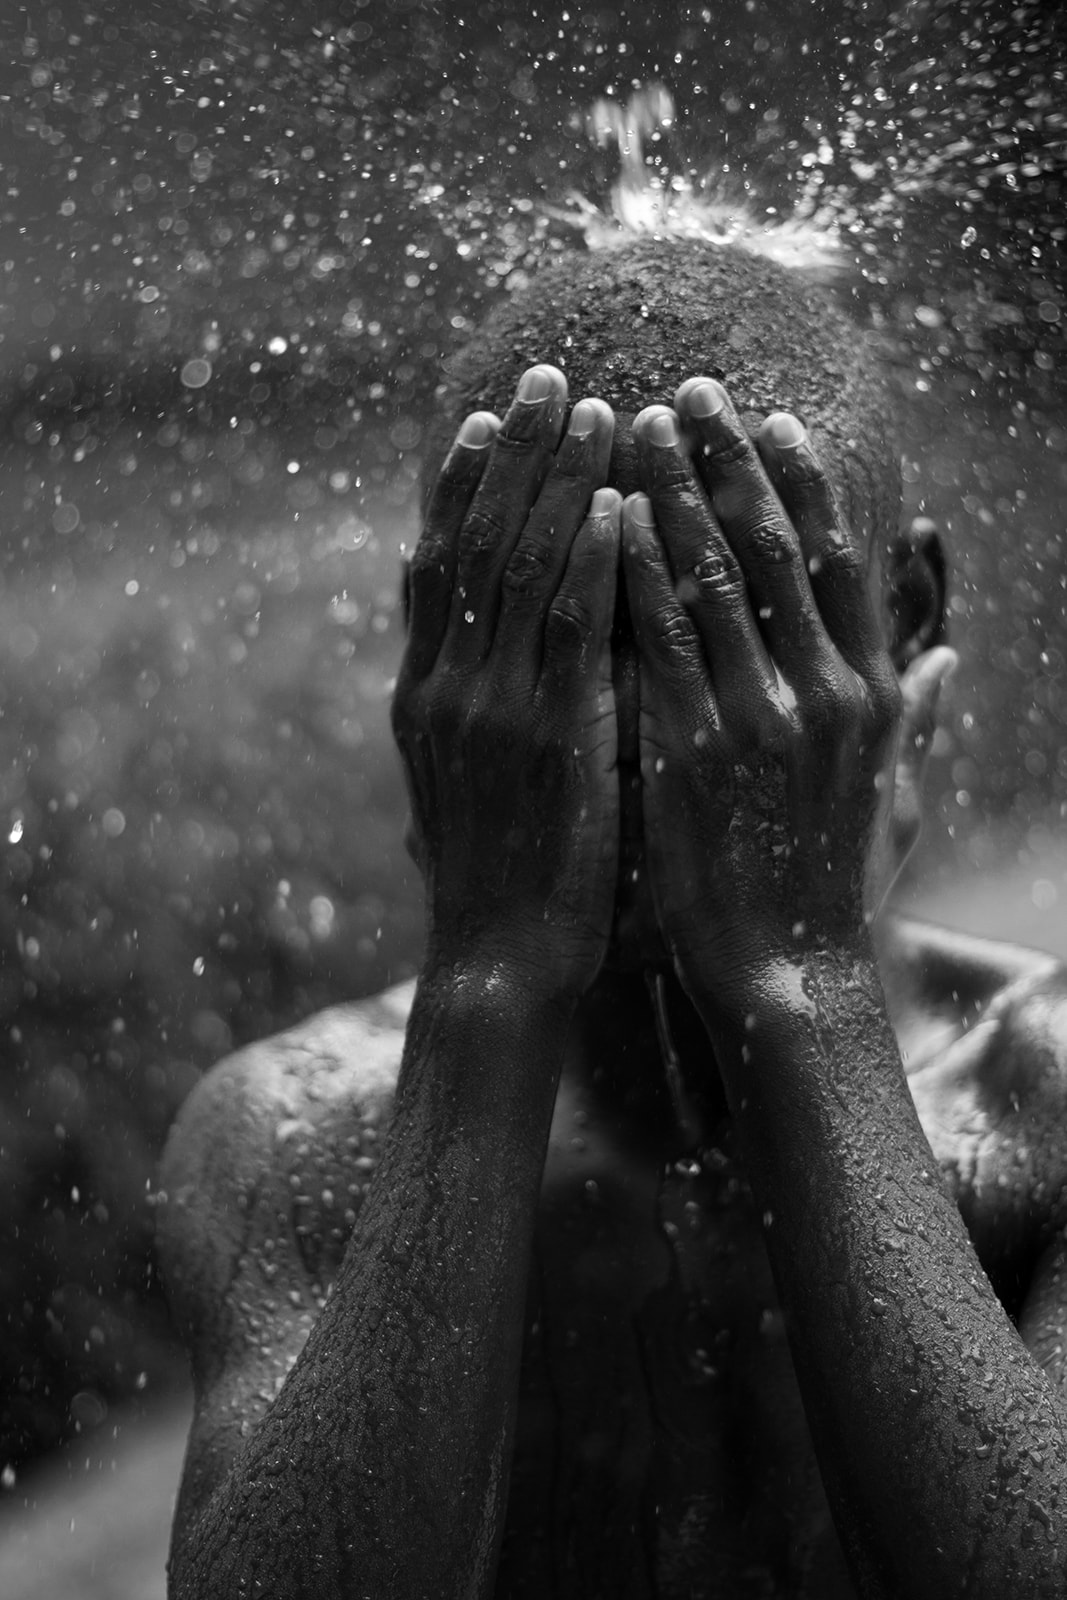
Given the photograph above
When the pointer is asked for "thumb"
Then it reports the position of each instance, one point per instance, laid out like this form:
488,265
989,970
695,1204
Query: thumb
920,689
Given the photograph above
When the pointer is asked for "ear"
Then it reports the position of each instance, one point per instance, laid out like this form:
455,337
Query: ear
915,593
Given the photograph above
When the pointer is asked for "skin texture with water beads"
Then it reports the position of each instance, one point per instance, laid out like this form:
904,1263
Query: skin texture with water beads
476,1303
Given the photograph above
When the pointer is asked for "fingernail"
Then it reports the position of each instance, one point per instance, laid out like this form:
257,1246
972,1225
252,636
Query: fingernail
583,420
640,508
604,503
662,430
706,400
784,431
535,385
476,432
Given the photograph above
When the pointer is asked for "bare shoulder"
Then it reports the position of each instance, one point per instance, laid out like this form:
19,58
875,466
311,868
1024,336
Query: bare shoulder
260,1186
983,1030
307,1104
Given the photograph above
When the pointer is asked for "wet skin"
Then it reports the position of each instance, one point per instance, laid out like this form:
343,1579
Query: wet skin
731,1340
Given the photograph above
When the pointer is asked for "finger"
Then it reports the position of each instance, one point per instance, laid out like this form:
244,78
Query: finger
920,689
836,566
432,567
537,563
707,576
518,463
668,643
577,627
759,532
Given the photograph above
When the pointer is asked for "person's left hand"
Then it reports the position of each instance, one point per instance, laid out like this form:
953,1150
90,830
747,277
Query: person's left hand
769,705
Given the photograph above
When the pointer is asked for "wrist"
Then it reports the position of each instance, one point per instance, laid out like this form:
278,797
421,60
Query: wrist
495,987
817,979
483,1047
513,962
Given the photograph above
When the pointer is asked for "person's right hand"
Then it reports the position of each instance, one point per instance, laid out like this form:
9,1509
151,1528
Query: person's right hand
504,711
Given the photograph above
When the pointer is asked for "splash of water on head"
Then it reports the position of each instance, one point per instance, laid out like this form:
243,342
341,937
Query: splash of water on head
646,201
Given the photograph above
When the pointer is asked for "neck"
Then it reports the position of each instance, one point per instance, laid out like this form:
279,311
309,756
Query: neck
640,1050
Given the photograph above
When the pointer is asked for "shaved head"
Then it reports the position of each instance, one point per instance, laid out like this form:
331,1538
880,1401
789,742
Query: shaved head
629,324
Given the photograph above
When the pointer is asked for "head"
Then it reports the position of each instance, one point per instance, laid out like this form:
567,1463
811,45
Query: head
629,325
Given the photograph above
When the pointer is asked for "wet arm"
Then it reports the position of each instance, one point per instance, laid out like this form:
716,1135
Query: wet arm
940,1440
942,1444
382,1467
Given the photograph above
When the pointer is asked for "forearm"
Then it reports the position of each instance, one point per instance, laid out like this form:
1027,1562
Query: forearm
382,1467
941,1443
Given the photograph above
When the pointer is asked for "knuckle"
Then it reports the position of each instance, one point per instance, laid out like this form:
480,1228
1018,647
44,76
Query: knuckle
837,560
525,428
569,620
528,566
805,474
729,447
482,533
673,471
771,543
672,630
714,579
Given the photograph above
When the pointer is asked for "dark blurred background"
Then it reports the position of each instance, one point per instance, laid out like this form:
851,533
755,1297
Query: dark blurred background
238,240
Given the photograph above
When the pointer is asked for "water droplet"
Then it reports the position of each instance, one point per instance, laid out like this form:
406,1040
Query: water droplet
65,517
196,373
468,616
7,1477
